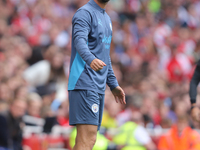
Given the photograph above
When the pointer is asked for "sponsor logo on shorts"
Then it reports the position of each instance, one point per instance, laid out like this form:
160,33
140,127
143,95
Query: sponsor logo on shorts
95,108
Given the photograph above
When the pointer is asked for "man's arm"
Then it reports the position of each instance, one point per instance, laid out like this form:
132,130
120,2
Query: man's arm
111,81
193,84
195,112
3,132
81,28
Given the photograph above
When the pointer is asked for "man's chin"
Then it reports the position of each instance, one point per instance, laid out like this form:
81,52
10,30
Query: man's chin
103,1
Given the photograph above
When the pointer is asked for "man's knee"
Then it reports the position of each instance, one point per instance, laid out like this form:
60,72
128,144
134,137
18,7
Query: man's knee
86,135
92,139
86,138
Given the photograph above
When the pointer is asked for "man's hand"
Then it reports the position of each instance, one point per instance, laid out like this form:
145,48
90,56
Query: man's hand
119,95
97,64
195,113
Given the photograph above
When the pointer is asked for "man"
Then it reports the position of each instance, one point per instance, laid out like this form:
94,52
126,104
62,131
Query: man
90,71
11,126
195,111
180,136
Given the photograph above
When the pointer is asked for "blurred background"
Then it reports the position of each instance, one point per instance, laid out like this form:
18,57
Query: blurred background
154,50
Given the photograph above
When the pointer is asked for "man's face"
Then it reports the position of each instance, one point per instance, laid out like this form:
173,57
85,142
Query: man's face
103,1
18,108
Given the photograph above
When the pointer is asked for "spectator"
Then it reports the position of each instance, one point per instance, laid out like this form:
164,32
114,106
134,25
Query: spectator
11,125
132,135
49,71
34,105
180,136
33,115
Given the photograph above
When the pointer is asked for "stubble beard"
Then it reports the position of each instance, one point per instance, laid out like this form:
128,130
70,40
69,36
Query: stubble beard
103,1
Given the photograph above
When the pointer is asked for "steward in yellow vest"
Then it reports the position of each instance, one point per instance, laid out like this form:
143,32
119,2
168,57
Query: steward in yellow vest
125,137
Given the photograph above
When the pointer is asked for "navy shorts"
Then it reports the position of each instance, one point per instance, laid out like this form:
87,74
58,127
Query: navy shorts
85,107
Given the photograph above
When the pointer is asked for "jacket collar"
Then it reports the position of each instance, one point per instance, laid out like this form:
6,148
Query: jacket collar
95,5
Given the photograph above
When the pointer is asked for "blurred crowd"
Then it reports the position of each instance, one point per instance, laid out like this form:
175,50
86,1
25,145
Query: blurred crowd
154,49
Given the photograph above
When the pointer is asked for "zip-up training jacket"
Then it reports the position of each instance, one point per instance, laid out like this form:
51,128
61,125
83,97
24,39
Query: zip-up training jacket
91,38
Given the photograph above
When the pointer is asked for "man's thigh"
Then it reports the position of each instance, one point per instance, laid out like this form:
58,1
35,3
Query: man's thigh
85,107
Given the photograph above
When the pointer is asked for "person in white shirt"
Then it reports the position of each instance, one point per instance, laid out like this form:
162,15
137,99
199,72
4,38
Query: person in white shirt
49,70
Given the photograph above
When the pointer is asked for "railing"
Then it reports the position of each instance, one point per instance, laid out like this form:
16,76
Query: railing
59,136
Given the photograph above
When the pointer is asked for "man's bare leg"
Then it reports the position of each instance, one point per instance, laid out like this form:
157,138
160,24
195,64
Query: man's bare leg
86,137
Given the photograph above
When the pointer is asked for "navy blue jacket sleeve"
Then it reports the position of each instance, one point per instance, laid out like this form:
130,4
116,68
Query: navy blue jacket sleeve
111,79
194,83
81,28
3,132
